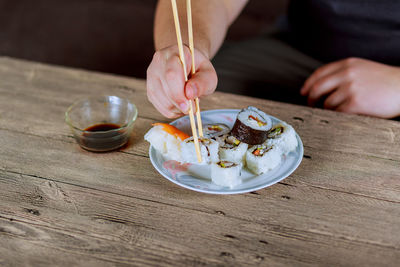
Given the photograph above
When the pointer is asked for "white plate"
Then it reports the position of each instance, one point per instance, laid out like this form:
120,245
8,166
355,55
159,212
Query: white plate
197,177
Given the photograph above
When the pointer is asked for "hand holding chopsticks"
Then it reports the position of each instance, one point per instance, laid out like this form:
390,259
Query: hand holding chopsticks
166,86
193,70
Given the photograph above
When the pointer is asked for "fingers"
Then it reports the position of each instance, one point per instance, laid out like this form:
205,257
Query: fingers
175,84
328,70
165,83
203,82
320,73
338,97
326,85
155,96
356,86
167,88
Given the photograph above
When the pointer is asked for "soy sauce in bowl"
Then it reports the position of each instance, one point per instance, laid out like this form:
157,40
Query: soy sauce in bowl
102,127
103,137
101,124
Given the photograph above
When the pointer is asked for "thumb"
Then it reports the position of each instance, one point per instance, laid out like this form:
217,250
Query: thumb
203,82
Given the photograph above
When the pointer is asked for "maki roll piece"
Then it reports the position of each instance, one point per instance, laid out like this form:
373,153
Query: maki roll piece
208,150
231,149
251,126
283,136
215,130
262,158
226,173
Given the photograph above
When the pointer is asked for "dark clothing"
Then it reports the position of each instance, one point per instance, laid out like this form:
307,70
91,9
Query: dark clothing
330,30
265,67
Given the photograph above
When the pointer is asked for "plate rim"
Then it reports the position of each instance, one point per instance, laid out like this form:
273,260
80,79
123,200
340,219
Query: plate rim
233,191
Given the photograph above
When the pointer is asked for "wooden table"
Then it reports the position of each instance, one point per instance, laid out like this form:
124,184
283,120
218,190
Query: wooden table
61,205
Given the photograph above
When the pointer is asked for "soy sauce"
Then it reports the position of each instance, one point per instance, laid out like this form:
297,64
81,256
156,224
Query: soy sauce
102,127
103,137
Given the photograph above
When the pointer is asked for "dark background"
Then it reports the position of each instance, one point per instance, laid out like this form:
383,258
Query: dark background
112,36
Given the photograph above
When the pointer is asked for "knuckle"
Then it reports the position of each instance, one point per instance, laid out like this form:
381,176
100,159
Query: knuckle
349,73
351,61
170,74
173,60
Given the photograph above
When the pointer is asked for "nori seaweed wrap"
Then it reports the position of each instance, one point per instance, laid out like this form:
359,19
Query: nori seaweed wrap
251,126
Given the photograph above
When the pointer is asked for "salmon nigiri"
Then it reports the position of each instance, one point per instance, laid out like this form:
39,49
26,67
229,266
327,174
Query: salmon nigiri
166,139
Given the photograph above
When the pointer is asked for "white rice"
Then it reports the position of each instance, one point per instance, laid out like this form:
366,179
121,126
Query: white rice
208,150
229,176
174,149
157,138
244,115
215,130
286,141
263,163
230,152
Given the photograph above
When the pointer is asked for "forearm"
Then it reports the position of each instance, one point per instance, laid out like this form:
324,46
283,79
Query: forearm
211,20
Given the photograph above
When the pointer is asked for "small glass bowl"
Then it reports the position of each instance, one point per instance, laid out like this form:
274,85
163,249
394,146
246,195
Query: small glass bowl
102,123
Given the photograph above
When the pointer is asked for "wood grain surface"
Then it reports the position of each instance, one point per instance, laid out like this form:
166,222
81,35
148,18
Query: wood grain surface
63,206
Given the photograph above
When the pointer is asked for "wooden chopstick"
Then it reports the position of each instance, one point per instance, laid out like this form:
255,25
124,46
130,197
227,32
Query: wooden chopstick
191,47
182,57
198,116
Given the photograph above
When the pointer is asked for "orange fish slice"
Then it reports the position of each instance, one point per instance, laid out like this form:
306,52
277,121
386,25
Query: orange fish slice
172,130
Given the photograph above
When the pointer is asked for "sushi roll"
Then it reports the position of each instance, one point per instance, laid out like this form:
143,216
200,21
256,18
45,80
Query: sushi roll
208,150
166,139
283,136
231,149
262,158
225,173
251,126
215,130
